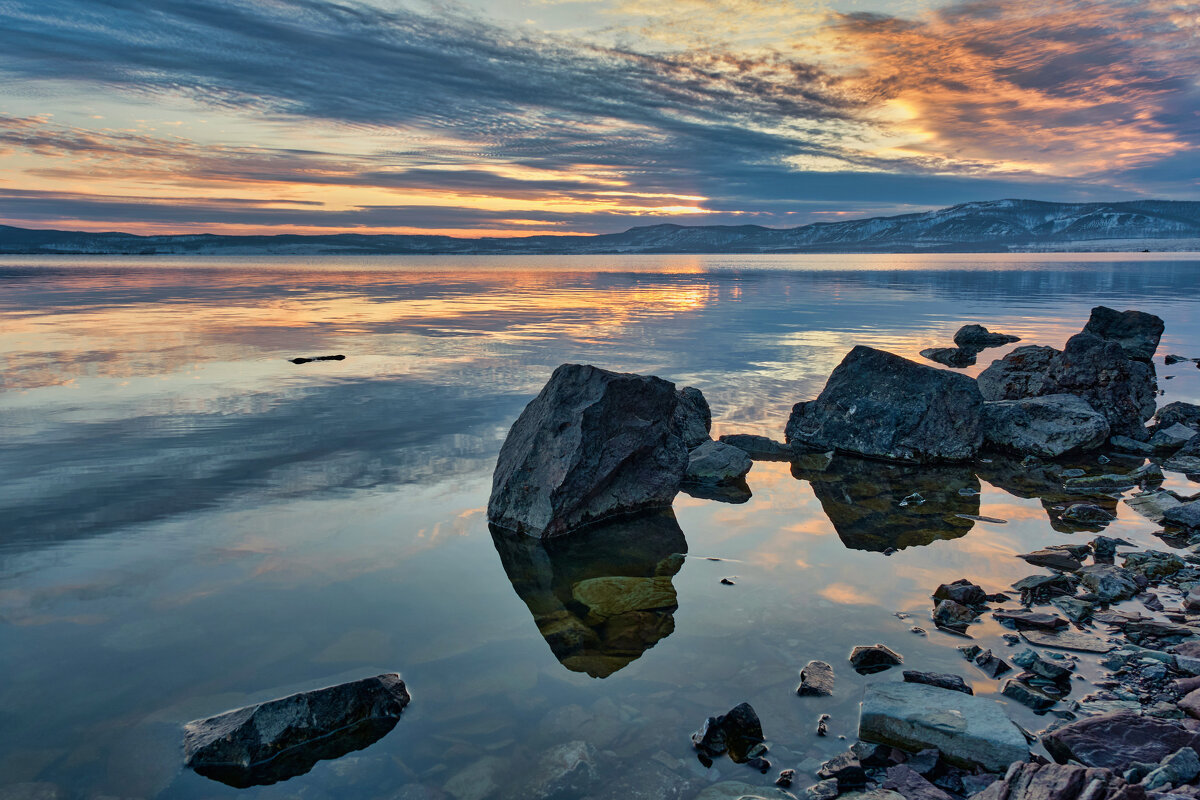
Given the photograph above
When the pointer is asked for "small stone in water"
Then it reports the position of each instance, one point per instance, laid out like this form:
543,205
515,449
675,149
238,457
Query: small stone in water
726,582
785,778
917,629
914,499
1103,459
822,725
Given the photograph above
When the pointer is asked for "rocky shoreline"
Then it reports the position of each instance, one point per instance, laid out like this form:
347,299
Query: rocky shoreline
597,446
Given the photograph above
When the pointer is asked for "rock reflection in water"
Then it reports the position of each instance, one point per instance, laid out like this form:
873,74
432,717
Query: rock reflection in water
862,499
602,596
299,760
1044,482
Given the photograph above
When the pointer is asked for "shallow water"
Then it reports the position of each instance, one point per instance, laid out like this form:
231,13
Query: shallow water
191,523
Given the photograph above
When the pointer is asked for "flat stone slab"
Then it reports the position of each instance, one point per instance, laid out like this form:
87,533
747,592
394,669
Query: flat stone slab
968,731
1067,640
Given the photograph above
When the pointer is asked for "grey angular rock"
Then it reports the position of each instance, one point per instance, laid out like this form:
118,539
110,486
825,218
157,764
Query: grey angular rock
1027,620
1052,559
871,658
1026,695
961,591
1177,413
1087,514
1153,564
1126,445
881,405
1022,373
1108,582
1145,475
1117,739
738,733
693,417
282,738
845,769
950,614
1180,767
1136,332
759,448
1048,426
1153,505
1076,610
1172,438
941,680
911,785
968,731
816,679
1186,515
717,463
593,444
979,337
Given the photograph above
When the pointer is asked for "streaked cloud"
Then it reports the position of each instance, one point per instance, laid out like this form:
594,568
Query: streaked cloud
319,115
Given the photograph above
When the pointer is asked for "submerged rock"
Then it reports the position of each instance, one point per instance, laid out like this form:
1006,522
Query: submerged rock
1052,559
979,338
717,463
871,658
280,739
1087,514
1136,332
738,733
816,679
881,405
1118,739
1108,582
941,680
1048,426
693,418
603,596
863,500
592,445
968,731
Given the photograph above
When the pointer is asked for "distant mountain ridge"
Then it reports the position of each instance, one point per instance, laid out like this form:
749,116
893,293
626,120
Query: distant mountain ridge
991,226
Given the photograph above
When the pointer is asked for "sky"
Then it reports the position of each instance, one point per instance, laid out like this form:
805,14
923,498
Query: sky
520,117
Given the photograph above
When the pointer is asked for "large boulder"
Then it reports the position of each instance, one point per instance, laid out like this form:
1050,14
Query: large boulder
969,731
1095,369
1135,331
1118,739
1049,426
593,444
880,405
693,417
279,739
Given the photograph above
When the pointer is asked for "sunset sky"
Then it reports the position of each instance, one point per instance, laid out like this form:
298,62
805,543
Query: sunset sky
514,117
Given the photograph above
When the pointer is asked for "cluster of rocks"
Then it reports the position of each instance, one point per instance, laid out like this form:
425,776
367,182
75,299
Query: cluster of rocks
969,342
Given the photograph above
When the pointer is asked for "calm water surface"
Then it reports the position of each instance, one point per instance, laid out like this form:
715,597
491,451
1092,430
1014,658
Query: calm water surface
191,523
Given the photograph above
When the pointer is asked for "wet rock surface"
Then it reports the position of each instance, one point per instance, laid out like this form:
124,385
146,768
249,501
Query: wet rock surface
280,739
717,463
1048,426
737,733
693,417
592,445
816,680
1118,739
1137,332
980,338
759,448
872,658
881,405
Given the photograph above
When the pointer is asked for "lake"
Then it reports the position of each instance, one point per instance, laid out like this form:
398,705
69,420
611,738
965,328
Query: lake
191,523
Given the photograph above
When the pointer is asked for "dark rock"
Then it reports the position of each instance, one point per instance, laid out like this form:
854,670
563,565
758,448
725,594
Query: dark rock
1106,547
954,357
980,338
911,785
1110,583
693,418
717,463
734,492
925,762
786,777
1040,588
1178,768
1027,695
602,596
941,680
1184,516
592,445
1034,781
1124,444
1153,564
872,658
823,725
951,614
881,405
1052,559
1049,426
1170,439
1135,331
309,360
1117,739
1088,514
1029,660
961,591
816,679
737,733
280,739
874,756
759,448
1076,610
1026,620
1089,367
1148,474
845,769
1177,413
1140,631
993,667
727,582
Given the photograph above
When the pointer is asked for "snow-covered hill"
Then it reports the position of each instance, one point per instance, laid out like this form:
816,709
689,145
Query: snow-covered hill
999,225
